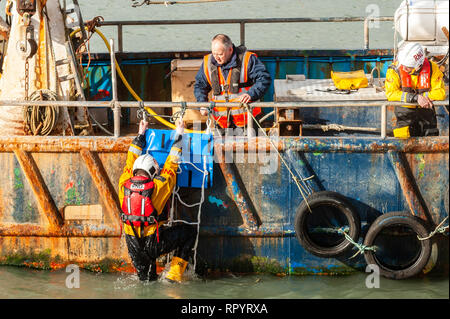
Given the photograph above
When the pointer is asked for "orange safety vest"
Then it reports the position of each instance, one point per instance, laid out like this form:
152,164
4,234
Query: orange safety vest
423,80
229,90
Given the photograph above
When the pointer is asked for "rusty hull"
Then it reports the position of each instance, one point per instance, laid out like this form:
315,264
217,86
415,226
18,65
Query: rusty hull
40,176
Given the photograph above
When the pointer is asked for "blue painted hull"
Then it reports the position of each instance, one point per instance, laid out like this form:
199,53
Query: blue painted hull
364,173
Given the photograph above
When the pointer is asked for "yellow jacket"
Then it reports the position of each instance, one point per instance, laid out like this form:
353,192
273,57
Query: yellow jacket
163,183
394,91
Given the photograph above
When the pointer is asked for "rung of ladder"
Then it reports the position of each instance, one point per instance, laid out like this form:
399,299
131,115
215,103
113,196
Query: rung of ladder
67,77
62,61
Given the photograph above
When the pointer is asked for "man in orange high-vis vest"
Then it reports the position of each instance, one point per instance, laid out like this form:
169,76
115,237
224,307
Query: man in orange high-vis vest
233,74
414,79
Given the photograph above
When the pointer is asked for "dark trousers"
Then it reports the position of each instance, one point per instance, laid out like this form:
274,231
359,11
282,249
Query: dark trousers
144,251
421,122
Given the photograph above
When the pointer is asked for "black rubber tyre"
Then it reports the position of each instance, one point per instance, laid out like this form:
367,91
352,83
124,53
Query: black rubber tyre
321,203
398,219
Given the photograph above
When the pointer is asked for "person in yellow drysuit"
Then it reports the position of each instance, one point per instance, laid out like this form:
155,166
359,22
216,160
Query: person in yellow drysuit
143,193
414,79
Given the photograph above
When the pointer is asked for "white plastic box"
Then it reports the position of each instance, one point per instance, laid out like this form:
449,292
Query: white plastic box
422,21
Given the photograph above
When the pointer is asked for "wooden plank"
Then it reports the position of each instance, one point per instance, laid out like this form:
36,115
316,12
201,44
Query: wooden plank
83,212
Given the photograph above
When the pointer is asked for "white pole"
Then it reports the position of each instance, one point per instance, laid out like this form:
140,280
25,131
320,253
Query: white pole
116,105
383,121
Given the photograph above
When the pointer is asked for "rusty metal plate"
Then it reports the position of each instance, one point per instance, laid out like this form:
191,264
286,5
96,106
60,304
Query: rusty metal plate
83,212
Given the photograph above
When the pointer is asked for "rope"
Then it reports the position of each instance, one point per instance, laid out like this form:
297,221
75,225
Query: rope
179,114
41,120
166,3
308,190
438,229
295,178
90,27
197,223
361,247
8,7
99,124
200,203
339,127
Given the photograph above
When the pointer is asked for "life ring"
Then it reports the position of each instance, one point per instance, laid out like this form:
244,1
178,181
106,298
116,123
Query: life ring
330,212
396,258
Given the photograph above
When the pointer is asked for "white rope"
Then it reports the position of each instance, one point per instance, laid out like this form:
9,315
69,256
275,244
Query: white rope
361,247
438,229
202,199
294,178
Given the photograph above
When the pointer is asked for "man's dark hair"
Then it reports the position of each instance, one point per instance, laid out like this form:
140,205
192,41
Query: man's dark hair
224,39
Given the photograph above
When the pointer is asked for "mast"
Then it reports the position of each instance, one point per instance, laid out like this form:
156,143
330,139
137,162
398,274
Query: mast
38,66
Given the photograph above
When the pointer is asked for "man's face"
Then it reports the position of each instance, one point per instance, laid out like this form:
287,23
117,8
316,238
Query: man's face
408,69
220,53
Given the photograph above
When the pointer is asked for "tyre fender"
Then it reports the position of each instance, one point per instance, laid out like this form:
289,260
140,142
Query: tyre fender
401,219
326,199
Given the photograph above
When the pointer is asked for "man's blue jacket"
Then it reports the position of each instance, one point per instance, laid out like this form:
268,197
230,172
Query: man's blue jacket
257,74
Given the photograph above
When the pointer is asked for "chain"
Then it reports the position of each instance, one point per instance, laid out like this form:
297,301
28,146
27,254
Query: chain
27,72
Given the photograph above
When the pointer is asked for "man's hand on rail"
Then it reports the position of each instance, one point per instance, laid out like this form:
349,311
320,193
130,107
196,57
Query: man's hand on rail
245,98
424,102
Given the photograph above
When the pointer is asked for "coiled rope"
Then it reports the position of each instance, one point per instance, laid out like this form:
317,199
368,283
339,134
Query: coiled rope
41,120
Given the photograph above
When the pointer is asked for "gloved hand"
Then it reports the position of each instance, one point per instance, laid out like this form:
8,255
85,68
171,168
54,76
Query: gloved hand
180,126
203,111
143,125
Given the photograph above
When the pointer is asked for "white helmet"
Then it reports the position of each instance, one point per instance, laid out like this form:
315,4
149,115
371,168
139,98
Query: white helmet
147,163
411,55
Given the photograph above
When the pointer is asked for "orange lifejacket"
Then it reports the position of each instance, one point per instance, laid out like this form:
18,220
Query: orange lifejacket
229,89
423,80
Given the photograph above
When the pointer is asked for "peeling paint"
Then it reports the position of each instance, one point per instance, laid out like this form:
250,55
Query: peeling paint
252,198
217,201
421,164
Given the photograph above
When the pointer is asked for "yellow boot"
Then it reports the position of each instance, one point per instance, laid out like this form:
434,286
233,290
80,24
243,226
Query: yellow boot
177,268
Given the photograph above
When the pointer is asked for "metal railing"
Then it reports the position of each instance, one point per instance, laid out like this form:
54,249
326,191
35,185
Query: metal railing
116,106
243,22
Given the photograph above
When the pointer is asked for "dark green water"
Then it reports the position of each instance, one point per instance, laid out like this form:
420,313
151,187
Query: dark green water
18,283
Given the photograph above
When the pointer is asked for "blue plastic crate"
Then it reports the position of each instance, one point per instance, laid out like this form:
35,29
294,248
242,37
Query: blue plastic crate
196,149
